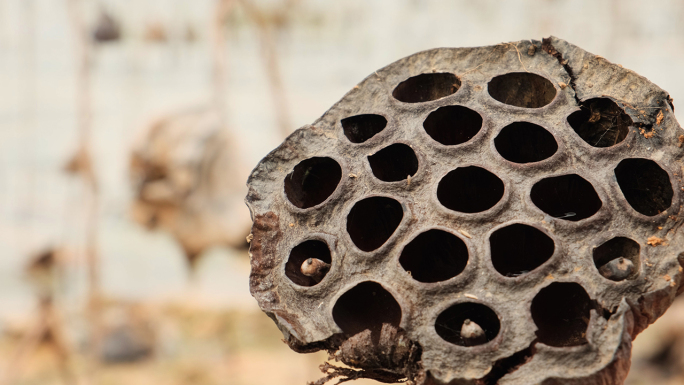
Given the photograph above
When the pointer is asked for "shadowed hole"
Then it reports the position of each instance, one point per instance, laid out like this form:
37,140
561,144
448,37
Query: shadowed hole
522,89
366,306
393,163
452,125
600,122
450,323
360,128
523,142
518,249
470,190
372,221
302,252
434,256
567,197
561,313
645,185
312,181
616,248
426,87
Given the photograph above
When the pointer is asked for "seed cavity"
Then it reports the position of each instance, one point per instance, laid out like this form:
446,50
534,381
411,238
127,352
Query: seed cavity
304,273
312,181
372,221
600,122
561,313
360,128
468,324
645,186
434,256
452,125
567,197
426,87
366,306
522,89
470,189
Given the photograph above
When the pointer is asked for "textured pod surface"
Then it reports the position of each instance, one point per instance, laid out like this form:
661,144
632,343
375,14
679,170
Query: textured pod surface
492,185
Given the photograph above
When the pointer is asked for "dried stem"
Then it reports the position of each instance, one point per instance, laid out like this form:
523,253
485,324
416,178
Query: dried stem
223,8
269,55
82,164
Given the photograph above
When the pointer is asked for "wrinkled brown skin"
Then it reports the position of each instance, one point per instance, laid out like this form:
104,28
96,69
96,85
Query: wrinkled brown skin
304,314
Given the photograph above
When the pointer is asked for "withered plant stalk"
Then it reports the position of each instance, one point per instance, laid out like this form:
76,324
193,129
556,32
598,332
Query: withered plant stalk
81,164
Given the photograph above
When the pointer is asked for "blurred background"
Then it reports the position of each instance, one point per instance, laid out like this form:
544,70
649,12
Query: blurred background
127,131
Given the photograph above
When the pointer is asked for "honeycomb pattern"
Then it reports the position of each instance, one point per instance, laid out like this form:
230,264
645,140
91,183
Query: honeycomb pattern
510,221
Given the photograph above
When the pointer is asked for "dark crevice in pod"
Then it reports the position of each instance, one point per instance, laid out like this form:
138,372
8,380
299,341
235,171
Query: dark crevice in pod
426,87
313,249
522,89
468,324
645,185
518,249
451,125
366,306
394,163
372,221
600,122
523,142
470,189
434,256
312,181
360,128
561,313
568,197
618,258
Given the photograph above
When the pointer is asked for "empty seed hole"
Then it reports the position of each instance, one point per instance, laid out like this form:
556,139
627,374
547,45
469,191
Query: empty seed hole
366,306
314,249
522,89
600,122
393,163
312,181
523,142
434,256
567,197
452,327
561,313
426,87
372,221
518,249
451,125
607,258
645,185
360,128
470,190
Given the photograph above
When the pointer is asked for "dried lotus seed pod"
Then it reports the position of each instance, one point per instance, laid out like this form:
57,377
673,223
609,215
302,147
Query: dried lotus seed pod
494,215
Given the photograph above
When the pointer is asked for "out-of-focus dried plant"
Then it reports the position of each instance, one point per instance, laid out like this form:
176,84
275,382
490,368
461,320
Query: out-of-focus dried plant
128,334
659,354
155,32
81,165
186,171
267,21
187,181
44,272
107,29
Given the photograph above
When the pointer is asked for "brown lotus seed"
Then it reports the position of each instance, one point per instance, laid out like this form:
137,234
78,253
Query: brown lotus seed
617,269
472,333
315,268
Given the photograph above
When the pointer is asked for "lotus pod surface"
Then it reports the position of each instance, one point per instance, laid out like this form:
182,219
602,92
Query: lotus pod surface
505,215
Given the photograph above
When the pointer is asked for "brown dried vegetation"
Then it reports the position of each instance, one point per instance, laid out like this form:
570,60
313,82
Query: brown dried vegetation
557,193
